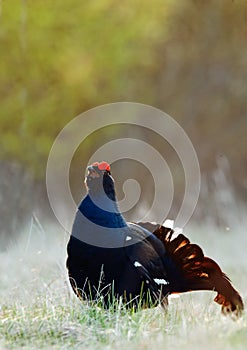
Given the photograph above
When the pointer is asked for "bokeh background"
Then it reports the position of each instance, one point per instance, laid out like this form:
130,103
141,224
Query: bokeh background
58,59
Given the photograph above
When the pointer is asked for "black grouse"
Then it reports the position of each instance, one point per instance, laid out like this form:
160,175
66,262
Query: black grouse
142,263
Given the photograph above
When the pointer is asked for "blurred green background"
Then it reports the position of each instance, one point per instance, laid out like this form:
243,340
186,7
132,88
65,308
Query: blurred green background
60,58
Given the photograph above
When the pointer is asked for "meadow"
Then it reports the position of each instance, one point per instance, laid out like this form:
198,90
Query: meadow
62,58
39,310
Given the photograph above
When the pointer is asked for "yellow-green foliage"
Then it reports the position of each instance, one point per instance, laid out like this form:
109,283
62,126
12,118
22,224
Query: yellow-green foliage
60,58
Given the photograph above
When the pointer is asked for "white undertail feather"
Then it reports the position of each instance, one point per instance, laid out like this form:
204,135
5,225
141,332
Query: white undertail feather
168,223
160,281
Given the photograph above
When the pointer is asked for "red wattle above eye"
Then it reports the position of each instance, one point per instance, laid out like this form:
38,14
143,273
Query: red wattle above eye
104,166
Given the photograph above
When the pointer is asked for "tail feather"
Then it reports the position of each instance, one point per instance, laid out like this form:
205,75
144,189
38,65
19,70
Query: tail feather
199,272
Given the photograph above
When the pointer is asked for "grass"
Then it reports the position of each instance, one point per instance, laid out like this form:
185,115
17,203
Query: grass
38,309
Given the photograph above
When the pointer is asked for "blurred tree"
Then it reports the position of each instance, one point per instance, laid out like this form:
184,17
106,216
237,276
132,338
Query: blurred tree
59,59
202,80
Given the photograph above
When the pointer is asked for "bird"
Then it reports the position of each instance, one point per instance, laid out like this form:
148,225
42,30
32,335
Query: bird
141,264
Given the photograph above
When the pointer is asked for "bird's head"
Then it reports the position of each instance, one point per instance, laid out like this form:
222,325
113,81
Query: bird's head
99,180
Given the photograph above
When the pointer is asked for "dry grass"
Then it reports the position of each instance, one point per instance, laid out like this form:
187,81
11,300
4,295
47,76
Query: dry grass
38,309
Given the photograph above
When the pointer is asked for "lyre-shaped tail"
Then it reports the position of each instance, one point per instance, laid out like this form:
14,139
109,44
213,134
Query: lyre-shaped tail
198,272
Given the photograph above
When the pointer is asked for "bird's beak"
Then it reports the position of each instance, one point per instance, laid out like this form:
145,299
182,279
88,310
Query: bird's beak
92,172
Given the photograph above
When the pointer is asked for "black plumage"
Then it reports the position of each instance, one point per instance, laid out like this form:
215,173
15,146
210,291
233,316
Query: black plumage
109,258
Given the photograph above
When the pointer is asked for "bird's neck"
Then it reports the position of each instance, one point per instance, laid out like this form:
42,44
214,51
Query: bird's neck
101,200
101,194
102,210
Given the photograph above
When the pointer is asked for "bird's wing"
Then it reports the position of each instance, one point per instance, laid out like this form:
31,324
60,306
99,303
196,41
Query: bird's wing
145,252
197,271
